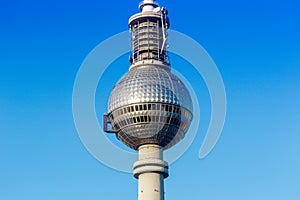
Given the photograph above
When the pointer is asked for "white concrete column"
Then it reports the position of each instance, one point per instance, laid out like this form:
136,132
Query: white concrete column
150,170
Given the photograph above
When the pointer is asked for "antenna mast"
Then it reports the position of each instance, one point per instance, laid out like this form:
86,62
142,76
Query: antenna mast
149,34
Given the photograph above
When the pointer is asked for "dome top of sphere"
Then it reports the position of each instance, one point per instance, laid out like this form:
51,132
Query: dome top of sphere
149,84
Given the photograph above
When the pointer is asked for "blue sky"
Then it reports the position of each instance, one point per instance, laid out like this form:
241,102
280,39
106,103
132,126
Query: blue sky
256,46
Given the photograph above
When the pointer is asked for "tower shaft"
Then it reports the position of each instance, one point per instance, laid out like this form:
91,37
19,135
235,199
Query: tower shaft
151,186
150,169
150,109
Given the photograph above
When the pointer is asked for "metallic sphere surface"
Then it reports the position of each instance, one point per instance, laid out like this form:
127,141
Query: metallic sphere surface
150,105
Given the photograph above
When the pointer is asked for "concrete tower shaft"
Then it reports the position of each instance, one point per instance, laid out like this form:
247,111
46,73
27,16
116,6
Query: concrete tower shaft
150,170
150,108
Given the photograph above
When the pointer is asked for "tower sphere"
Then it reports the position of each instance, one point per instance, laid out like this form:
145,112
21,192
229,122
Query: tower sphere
150,105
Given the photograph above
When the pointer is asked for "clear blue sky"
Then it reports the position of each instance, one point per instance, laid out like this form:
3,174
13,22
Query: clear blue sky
255,44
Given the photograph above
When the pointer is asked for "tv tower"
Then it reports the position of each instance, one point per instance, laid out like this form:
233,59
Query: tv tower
149,109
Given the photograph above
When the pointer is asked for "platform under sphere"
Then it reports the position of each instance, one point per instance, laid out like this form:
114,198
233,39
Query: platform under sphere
150,105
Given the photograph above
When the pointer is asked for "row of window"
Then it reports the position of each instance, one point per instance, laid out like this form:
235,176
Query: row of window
147,36
148,119
143,32
150,106
146,24
153,54
146,40
145,43
176,123
141,51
